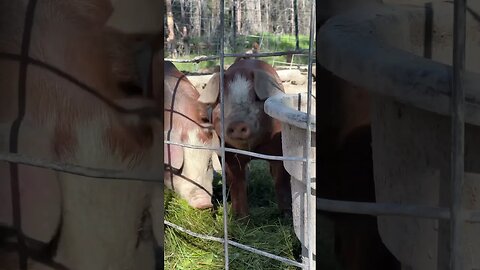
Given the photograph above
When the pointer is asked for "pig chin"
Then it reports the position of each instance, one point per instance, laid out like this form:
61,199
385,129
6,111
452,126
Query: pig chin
248,144
239,144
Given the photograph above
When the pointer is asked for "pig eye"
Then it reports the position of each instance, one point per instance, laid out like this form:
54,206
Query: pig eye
204,119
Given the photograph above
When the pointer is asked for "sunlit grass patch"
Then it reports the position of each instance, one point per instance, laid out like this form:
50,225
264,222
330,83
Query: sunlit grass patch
266,230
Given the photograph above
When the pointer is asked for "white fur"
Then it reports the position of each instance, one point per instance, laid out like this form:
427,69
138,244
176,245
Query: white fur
197,161
239,89
196,167
239,102
91,151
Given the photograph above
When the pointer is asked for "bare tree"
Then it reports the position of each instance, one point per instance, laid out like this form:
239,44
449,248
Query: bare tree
170,25
258,16
292,16
250,16
197,17
238,7
182,10
267,18
243,17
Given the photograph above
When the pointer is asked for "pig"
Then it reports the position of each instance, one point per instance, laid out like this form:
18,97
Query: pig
347,172
190,171
65,219
247,84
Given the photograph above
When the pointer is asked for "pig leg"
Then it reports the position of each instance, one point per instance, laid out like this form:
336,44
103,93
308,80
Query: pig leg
238,189
282,187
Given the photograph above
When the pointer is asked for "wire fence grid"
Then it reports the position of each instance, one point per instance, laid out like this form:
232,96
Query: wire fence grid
221,55
455,213
100,173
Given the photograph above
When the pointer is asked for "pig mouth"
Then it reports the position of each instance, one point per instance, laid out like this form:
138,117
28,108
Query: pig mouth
200,202
239,144
247,144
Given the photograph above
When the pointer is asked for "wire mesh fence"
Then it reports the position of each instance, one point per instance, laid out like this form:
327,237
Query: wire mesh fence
454,212
15,158
219,33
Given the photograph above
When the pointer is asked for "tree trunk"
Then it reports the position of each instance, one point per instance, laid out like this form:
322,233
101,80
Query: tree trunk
197,14
239,16
170,22
171,33
295,11
267,18
250,16
182,11
292,17
258,16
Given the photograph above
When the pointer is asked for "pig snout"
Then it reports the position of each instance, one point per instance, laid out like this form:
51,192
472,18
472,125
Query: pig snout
239,131
200,201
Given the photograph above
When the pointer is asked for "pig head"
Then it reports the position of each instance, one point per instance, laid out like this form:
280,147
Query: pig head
189,172
247,84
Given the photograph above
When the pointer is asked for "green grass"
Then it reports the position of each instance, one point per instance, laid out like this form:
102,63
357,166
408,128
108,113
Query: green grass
195,67
269,43
273,42
266,230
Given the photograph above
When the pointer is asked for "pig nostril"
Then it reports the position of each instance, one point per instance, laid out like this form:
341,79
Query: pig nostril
230,130
244,130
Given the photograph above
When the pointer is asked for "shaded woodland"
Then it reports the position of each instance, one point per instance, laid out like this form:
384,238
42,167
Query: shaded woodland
193,26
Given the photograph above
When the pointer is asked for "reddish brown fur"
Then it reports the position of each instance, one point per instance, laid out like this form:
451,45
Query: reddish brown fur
251,64
64,141
267,141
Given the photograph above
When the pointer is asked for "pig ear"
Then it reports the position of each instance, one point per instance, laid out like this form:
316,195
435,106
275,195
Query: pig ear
209,95
265,85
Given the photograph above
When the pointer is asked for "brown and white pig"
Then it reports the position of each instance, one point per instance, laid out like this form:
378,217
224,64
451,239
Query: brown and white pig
247,84
77,221
189,171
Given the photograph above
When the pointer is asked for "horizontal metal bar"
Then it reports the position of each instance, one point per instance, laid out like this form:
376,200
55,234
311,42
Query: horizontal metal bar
391,209
214,57
238,151
192,146
77,170
269,157
474,216
235,244
382,209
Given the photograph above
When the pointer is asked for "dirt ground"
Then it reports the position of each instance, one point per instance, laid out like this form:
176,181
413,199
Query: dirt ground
294,80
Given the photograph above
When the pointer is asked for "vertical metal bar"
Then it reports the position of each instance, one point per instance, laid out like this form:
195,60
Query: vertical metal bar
295,20
306,150
234,25
458,136
222,136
